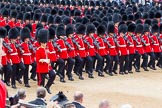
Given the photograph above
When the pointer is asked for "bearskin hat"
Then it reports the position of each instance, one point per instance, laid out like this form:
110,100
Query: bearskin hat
13,14
5,13
27,16
146,28
116,18
3,32
154,21
85,20
51,32
43,36
160,28
25,33
158,15
60,31
122,28
20,16
80,29
139,28
36,17
130,17
90,29
155,28
147,21
101,30
50,19
13,33
151,14
124,17
66,20
111,28
131,27
57,20
145,15
69,29
44,18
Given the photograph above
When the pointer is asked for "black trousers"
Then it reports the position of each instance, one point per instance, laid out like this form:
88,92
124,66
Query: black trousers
152,59
61,65
17,72
41,78
99,65
26,74
137,59
108,61
69,66
145,60
131,59
33,70
88,62
7,70
158,56
79,63
123,62
114,63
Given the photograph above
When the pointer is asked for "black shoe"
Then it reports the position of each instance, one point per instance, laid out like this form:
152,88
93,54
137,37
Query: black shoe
160,66
100,74
114,72
47,77
14,87
145,69
111,74
48,90
130,72
89,73
19,81
122,73
27,85
137,70
90,76
62,80
59,75
33,79
7,83
125,72
71,79
81,78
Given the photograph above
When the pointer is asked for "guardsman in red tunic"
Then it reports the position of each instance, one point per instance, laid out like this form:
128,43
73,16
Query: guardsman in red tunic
139,49
90,50
80,50
7,69
5,14
71,51
15,59
12,20
19,20
146,39
156,45
36,19
111,49
130,45
62,52
122,48
26,19
26,56
43,61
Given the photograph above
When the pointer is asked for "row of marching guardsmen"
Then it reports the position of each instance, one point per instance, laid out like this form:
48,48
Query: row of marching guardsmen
77,48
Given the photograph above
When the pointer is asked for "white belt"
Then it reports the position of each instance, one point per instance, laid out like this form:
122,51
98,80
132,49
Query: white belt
148,44
155,44
64,49
102,48
72,48
112,47
122,45
4,54
81,48
131,45
52,52
91,46
139,46
27,54
14,54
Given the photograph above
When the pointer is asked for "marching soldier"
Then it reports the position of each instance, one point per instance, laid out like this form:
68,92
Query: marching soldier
43,61
12,20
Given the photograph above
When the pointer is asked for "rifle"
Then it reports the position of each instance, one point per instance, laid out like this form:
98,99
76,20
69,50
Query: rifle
97,44
160,39
107,42
143,41
135,39
116,41
67,43
56,45
86,42
75,42
7,46
19,47
126,39
31,47
152,40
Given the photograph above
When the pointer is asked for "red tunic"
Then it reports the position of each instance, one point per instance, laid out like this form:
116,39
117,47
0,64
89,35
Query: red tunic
102,50
27,54
122,46
71,52
4,57
52,52
14,55
41,54
3,95
155,46
130,47
112,50
147,47
18,24
3,23
63,54
139,46
11,24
